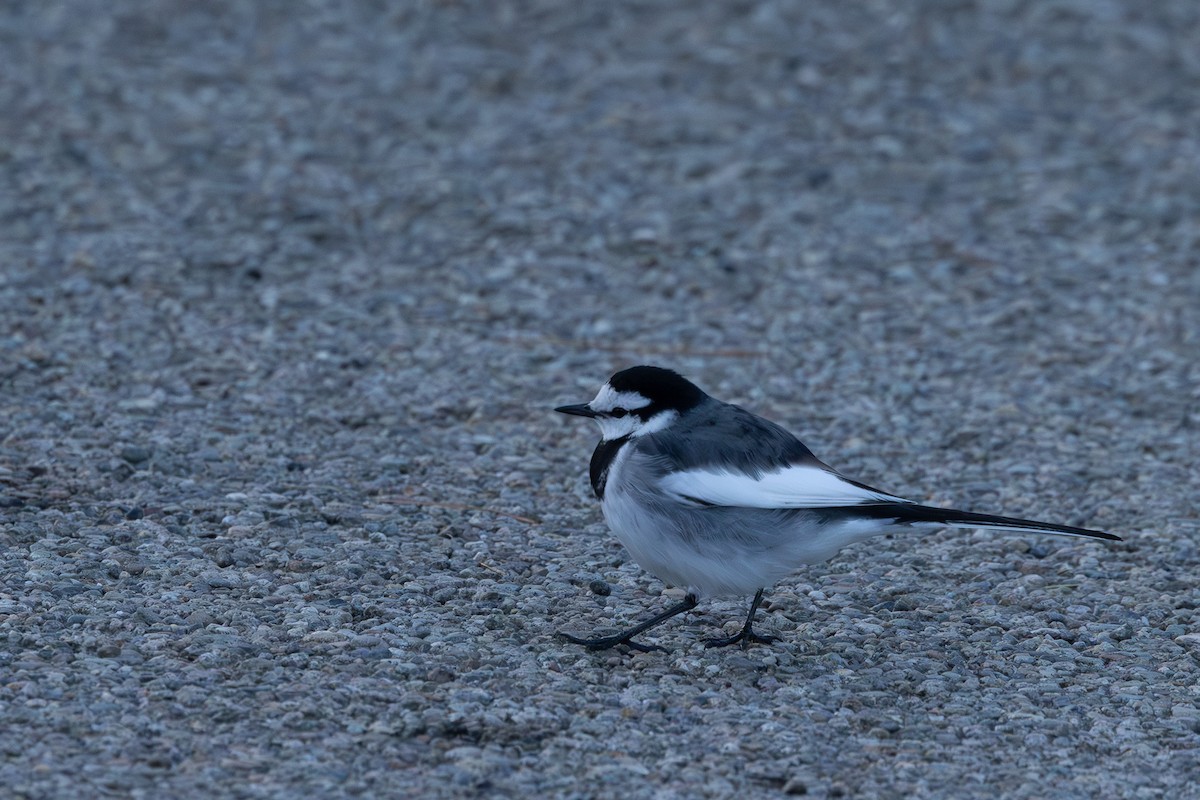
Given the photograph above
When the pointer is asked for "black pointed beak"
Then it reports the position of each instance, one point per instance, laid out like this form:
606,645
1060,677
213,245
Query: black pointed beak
581,410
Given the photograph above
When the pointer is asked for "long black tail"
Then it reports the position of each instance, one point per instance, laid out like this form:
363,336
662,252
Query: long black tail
908,513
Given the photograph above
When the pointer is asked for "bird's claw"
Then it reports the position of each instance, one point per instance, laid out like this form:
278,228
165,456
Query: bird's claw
743,636
607,642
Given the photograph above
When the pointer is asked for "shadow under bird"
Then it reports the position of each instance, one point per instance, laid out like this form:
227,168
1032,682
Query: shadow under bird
710,497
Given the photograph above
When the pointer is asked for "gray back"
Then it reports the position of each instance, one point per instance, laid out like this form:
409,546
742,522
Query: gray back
719,434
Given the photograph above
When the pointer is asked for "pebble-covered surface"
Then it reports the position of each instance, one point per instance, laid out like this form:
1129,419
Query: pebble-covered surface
288,289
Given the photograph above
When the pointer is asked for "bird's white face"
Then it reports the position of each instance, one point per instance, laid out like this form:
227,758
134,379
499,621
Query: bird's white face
627,414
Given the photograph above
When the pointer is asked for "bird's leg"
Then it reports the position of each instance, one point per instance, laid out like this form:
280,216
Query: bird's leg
626,638
747,634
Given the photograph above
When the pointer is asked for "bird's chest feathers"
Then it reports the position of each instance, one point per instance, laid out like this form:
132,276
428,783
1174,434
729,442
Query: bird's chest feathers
604,463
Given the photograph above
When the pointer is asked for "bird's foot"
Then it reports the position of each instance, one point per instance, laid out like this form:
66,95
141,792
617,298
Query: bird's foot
745,636
607,642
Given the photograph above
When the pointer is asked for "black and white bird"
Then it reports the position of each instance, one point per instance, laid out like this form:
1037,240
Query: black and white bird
713,499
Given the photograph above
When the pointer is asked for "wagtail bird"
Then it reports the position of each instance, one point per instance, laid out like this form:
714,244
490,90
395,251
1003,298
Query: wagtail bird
713,499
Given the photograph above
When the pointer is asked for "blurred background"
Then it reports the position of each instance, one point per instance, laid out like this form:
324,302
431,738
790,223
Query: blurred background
277,278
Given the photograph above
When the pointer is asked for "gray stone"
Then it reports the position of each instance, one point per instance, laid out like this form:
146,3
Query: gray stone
289,291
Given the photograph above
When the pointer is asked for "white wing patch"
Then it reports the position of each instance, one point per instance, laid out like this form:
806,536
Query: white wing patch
798,486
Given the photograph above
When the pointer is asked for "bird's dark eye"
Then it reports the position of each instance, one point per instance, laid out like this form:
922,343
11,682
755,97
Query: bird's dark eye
619,412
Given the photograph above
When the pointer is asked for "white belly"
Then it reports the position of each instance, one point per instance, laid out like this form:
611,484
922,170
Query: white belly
717,552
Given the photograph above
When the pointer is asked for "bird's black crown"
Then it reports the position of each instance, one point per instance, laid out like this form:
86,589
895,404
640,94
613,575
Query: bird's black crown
664,387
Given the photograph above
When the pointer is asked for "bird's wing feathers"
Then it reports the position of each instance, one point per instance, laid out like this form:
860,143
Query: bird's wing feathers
794,486
730,457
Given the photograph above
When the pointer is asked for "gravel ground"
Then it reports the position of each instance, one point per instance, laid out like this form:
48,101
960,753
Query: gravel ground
288,290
